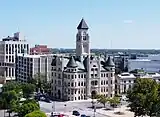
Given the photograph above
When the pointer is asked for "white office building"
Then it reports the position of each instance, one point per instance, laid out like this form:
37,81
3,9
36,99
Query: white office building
9,47
27,66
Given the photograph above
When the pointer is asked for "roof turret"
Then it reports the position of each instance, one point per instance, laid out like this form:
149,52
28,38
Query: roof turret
72,62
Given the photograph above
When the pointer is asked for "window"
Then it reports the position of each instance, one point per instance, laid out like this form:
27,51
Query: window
72,76
81,83
96,82
106,75
69,84
72,84
78,83
102,82
95,75
101,75
134,81
81,75
92,69
84,75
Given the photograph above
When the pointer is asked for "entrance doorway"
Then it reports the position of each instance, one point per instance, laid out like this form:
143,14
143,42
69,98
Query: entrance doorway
93,94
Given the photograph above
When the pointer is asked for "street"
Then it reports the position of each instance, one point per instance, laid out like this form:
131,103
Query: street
67,107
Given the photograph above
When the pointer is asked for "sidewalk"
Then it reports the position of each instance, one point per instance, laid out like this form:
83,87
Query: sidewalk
111,113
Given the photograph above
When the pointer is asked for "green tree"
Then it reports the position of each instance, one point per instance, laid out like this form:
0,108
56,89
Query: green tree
144,97
28,89
114,101
36,114
8,100
40,81
103,100
9,86
97,96
27,107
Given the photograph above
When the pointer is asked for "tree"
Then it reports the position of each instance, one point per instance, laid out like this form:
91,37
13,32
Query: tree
114,101
8,100
103,100
28,107
144,97
11,86
36,114
40,81
28,89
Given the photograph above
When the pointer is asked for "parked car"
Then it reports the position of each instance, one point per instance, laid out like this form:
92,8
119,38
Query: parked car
83,115
47,100
76,113
88,116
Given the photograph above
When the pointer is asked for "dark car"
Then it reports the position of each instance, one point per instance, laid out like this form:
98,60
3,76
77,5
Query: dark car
47,100
88,116
83,115
76,113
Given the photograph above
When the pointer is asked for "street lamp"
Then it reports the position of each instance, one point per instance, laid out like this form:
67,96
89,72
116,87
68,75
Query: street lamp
65,108
53,106
94,106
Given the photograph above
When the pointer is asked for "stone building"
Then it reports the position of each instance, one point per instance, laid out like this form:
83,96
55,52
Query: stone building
81,76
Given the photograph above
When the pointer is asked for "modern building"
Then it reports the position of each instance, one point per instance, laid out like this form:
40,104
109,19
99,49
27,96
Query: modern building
82,75
27,66
40,49
9,47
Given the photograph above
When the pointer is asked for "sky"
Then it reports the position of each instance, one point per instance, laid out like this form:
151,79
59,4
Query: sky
114,24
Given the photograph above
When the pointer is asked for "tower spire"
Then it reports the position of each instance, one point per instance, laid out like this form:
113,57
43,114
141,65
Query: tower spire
82,25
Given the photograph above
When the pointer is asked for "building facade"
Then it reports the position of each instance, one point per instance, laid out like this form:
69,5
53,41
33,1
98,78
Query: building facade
27,66
127,80
9,47
81,76
40,49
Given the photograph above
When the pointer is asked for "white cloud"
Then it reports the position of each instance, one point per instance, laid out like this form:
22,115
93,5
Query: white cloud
128,21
